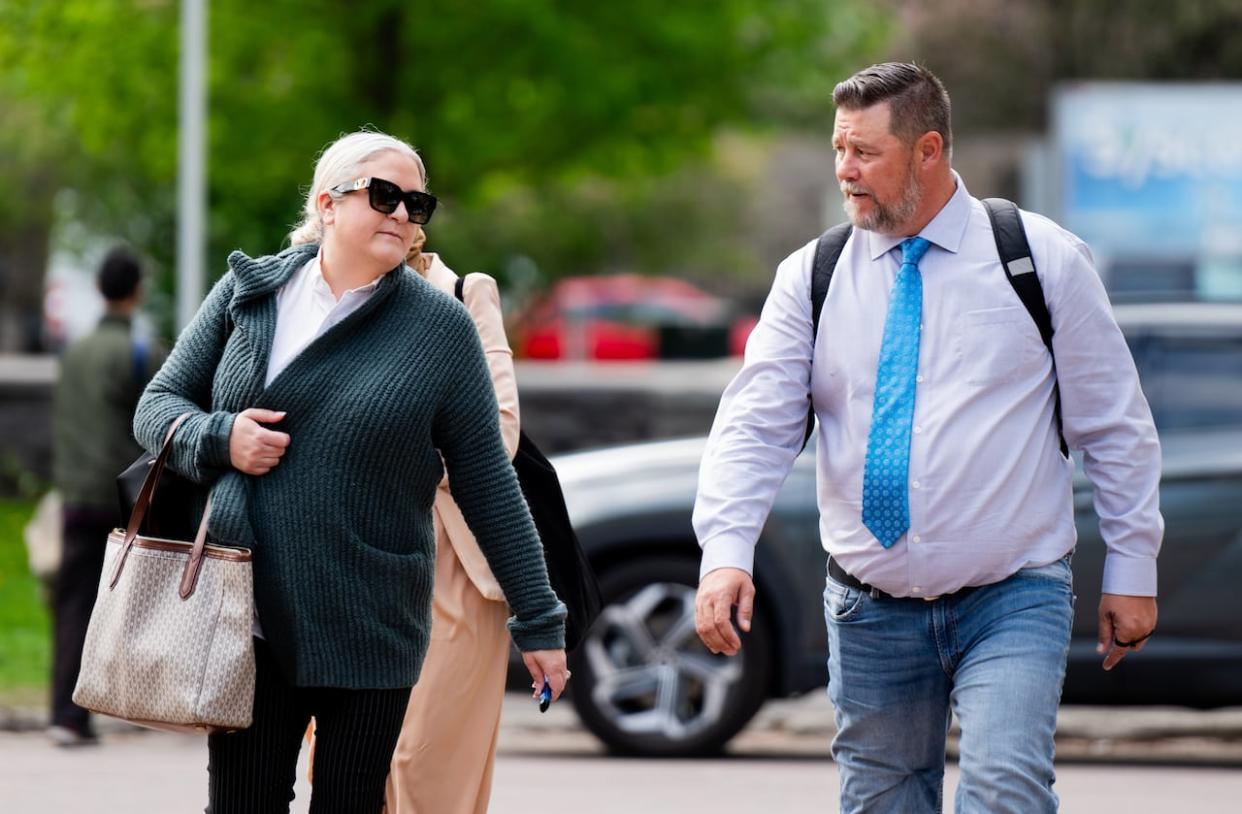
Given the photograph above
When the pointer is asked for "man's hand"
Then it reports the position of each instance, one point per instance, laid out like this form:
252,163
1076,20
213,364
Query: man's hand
718,592
1126,622
254,449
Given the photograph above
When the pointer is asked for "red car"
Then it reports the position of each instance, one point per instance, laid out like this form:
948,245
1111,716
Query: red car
627,317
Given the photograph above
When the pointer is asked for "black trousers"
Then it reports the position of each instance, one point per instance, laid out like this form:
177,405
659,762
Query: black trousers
253,771
85,539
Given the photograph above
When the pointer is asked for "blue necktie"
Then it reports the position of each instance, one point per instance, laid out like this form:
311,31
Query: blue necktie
886,496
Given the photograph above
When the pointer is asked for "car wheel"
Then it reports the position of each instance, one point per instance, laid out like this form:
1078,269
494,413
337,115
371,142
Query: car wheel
643,682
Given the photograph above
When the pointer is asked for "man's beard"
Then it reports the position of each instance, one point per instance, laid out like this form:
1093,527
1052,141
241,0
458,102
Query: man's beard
885,219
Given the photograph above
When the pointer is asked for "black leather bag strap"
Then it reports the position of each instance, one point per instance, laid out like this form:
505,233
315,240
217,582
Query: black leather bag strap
1019,265
569,570
827,253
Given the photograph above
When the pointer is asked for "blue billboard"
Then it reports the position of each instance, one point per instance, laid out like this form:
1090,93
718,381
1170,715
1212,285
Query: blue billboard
1150,175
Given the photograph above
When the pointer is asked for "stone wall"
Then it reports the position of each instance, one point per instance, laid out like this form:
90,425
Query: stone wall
565,406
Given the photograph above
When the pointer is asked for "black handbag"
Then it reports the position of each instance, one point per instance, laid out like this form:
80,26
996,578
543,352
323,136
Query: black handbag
172,513
569,570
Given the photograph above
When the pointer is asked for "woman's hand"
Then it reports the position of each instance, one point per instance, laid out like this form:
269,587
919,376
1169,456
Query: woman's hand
254,449
550,663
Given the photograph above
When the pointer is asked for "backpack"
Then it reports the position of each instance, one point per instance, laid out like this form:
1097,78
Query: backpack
569,571
1015,257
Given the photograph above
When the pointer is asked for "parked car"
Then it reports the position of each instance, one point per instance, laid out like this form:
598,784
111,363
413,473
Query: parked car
627,317
644,684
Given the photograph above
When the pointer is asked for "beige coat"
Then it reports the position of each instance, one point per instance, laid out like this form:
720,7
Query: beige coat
483,301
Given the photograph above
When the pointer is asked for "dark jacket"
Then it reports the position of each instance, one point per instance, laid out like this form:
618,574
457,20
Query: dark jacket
101,378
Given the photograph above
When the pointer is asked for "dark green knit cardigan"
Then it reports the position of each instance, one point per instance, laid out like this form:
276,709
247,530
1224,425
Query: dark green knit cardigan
341,530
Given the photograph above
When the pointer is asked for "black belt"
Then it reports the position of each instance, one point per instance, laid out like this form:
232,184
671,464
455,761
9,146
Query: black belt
845,578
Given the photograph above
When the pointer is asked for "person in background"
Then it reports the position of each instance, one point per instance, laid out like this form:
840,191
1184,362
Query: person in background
102,376
444,757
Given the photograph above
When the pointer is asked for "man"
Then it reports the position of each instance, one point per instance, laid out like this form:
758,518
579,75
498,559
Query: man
945,500
101,377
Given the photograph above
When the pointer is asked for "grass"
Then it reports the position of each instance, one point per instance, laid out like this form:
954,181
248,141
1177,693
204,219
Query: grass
25,627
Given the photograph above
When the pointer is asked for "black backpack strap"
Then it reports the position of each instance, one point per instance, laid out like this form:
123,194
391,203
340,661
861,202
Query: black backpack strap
139,362
827,253
1016,259
459,288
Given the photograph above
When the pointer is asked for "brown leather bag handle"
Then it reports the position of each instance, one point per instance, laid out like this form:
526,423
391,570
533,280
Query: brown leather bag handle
143,503
189,577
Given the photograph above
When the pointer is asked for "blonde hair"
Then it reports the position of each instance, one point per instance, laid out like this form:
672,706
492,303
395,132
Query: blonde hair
338,164
416,259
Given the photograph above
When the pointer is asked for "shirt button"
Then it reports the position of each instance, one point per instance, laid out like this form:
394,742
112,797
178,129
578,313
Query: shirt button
915,484
918,378
915,538
918,428
916,589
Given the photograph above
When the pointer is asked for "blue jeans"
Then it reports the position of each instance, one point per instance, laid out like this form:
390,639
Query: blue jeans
995,657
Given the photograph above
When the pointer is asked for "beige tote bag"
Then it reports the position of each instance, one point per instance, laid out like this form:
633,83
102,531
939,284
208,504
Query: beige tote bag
169,643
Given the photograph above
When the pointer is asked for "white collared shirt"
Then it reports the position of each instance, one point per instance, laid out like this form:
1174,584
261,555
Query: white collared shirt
990,492
305,309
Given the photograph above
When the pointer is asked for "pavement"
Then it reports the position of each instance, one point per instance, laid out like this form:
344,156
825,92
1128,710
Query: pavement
157,772
804,727
1124,759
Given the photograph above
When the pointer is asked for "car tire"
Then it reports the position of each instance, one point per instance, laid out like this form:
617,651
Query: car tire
643,682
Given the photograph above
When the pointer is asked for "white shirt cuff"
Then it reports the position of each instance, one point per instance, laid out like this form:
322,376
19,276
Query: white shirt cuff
727,553
1129,576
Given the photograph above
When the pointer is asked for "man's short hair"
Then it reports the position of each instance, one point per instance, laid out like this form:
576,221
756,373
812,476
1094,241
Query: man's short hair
916,96
119,274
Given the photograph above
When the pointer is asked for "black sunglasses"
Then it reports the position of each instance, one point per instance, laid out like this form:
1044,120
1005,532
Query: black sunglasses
385,196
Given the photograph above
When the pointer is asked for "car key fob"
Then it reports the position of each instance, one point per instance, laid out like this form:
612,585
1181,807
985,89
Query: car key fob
545,696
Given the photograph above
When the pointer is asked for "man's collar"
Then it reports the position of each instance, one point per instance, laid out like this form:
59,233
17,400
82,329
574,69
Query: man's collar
945,230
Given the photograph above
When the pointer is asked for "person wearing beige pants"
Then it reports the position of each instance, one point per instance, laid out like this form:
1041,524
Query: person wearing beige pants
444,756
443,760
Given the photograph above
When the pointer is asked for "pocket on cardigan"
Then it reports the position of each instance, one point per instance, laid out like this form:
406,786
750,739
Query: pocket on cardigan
396,587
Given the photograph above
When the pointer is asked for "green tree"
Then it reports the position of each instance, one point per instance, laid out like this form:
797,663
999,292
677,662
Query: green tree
544,101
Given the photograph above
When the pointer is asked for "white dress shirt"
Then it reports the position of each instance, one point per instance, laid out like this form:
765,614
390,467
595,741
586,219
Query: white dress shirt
305,309
990,492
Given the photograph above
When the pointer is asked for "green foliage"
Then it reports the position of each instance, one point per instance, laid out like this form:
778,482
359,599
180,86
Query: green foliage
1001,58
25,630
519,108
17,479
690,222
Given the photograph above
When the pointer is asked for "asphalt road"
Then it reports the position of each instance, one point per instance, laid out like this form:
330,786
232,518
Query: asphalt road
548,764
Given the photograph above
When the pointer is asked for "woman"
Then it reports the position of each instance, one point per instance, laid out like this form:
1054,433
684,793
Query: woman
444,757
372,377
